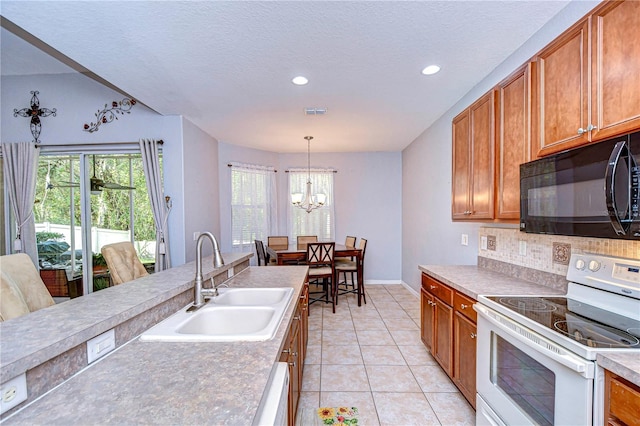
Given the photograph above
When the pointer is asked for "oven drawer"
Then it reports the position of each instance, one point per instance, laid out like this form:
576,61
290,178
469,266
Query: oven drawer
464,305
441,291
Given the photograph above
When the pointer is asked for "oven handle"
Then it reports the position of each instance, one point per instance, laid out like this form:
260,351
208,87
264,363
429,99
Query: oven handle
536,341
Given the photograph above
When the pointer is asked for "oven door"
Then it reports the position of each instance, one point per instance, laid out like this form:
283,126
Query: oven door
525,379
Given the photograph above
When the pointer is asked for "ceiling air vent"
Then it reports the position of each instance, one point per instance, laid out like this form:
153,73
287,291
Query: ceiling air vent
315,111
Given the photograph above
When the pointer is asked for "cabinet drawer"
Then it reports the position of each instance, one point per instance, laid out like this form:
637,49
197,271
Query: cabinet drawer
441,291
464,305
624,402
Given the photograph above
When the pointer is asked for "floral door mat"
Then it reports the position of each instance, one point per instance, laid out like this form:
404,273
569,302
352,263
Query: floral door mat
338,415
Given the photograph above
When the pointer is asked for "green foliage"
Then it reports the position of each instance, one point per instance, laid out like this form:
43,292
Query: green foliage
43,236
98,260
58,193
100,283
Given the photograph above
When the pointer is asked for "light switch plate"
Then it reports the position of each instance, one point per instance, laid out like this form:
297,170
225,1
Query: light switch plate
101,345
13,392
483,242
522,248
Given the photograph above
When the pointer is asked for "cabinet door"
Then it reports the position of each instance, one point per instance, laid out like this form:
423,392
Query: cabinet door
426,318
615,52
460,208
563,93
464,353
294,371
513,144
482,116
443,336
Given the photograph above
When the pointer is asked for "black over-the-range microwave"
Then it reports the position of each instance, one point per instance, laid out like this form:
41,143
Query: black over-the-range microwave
591,191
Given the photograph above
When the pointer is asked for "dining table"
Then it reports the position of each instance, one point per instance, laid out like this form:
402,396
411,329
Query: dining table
294,254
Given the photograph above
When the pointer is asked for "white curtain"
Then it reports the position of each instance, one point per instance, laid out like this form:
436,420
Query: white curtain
253,205
320,222
159,206
20,167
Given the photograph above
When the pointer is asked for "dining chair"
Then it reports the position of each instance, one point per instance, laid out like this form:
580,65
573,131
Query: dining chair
303,240
351,267
123,263
21,287
320,258
278,241
349,241
263,258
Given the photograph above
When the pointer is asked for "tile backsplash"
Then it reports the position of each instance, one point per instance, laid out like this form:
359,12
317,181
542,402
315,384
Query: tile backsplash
549,253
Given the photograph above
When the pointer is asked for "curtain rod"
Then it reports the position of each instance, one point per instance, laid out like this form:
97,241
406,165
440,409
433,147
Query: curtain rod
235,165
100,144
334,171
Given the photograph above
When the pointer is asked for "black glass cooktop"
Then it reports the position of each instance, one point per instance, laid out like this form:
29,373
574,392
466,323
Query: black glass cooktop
586,324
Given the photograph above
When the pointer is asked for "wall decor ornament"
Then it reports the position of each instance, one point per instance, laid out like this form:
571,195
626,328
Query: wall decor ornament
35,112
107,115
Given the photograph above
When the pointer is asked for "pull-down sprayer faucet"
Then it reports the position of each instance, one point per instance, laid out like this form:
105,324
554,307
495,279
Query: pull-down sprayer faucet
199,293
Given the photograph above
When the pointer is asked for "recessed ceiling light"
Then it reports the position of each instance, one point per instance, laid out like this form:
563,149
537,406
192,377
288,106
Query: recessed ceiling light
300,80
431,69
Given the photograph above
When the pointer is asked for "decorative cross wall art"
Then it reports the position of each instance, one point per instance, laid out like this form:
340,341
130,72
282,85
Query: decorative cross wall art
35,112
107,115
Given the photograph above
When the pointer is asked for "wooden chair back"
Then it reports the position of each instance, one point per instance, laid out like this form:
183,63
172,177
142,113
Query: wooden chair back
261,254
278,241
320,254
350,241
303,240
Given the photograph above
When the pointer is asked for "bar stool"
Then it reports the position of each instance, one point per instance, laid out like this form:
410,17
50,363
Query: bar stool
320,258
351,267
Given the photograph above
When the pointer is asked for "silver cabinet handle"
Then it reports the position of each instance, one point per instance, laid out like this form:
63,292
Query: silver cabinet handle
589,128
463,306
473,335
292,364
432,287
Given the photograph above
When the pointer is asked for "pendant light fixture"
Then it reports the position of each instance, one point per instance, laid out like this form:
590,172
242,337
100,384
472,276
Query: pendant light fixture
308,202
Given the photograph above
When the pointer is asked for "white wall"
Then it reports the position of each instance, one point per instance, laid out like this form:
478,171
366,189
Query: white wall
428,234
367,194
76,99
200,186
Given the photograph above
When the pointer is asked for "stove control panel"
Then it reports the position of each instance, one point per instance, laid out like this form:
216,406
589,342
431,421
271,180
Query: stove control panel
613,274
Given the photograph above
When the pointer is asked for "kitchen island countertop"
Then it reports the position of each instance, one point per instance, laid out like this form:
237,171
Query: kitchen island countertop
173,383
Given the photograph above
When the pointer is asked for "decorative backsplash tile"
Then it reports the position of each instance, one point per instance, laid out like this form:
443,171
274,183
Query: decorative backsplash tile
491,242
561,253
548,252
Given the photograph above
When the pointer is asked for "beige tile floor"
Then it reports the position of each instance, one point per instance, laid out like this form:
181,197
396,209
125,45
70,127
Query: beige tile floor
371,357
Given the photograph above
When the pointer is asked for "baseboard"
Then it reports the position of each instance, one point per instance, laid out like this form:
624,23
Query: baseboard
382,282
411,289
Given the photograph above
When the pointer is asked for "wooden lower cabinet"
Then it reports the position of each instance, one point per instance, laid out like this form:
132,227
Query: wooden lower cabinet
294,352
448,330
621,401
464,362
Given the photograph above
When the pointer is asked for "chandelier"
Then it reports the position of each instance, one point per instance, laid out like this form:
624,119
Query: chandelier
308,202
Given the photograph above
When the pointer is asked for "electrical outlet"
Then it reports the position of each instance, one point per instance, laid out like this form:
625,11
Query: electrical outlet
101,345
229,272
522,248
464,240
13,392
483,242
196,235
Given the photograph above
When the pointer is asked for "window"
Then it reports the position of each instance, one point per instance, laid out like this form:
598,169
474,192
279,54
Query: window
318,222
253,206
119,209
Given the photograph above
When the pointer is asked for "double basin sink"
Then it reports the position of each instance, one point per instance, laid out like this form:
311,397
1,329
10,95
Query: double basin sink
237,314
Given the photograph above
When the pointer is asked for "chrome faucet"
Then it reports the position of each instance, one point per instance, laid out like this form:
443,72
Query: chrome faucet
200,293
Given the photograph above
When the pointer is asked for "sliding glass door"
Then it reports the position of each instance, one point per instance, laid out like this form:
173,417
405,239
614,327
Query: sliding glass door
75,217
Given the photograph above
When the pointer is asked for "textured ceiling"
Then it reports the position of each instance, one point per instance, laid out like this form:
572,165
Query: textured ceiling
227,65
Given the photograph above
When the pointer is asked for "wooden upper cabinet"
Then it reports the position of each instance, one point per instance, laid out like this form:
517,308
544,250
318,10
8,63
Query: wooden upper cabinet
513,140
483,139
473,160
615,69
562,96
461,166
